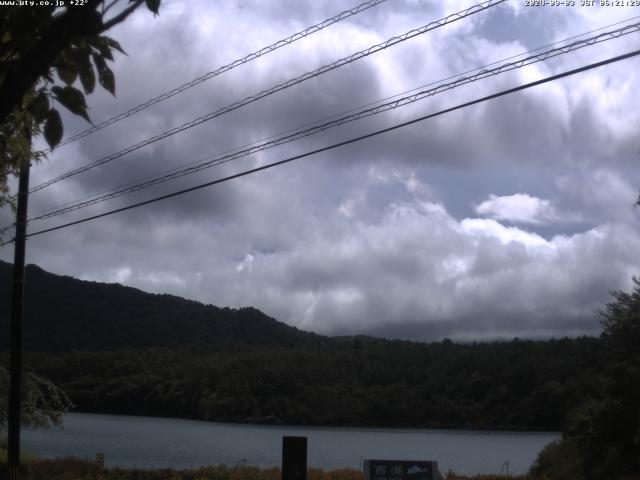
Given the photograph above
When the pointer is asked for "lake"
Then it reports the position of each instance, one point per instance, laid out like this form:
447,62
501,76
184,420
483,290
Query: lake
149,442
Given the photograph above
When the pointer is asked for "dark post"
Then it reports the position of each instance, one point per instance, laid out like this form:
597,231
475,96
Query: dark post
15,355
294,458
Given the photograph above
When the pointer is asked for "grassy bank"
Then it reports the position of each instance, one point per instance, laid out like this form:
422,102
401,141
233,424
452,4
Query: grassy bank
24,456
78,469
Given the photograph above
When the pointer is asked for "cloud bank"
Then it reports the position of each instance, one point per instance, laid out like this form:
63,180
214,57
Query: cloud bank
511,218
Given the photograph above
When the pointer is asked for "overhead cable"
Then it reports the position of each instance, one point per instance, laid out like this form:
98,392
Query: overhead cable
339,144
217,159
282,86
219,71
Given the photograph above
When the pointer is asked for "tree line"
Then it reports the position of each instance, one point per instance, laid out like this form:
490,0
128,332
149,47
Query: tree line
517,385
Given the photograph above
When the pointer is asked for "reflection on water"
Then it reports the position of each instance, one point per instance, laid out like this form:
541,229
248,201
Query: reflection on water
149,442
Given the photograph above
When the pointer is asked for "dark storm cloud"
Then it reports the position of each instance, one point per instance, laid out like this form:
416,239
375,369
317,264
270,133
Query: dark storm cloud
385,236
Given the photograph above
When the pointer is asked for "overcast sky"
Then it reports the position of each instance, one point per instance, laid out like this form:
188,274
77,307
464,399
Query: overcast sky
511,218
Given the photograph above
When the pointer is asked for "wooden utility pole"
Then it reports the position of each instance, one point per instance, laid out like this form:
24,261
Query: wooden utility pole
13,471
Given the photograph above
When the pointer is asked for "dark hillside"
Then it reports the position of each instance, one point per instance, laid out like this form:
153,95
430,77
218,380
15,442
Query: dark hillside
116,349
63,313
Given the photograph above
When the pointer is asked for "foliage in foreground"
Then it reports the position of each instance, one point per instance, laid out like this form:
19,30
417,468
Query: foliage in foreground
45,53
560,459
78,469
43,403
601,440
454,476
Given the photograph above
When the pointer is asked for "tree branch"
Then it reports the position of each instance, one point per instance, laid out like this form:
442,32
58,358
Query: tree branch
105,9
121,16
24,72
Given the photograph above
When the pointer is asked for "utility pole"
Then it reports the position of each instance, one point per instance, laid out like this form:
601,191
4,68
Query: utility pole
13,471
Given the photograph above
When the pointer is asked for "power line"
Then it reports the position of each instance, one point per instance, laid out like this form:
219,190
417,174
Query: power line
209,75
215,160
291,82
206,162
282,86
315,122
340,144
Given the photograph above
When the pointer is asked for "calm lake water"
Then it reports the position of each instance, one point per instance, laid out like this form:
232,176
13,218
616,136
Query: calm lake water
148,442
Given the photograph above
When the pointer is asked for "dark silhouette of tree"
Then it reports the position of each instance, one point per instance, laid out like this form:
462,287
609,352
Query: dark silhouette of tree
44,52
601,439
43,404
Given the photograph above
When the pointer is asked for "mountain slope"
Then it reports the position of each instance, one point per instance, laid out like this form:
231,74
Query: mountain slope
63,313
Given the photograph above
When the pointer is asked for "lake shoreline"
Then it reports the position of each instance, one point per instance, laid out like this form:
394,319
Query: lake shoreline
330,426
153,442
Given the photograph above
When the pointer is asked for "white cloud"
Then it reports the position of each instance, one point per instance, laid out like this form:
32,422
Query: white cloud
119,275
246,264
517,208
491,228
418,265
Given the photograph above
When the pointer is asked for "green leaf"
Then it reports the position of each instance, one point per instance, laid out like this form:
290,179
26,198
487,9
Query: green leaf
79,57
101,46
111,43
67,73
53,128
72,99
107,80
153,5
75,56
105,75
40,107
87,78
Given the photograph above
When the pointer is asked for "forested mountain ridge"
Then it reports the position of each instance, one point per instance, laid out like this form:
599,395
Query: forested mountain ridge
63,313
116,349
